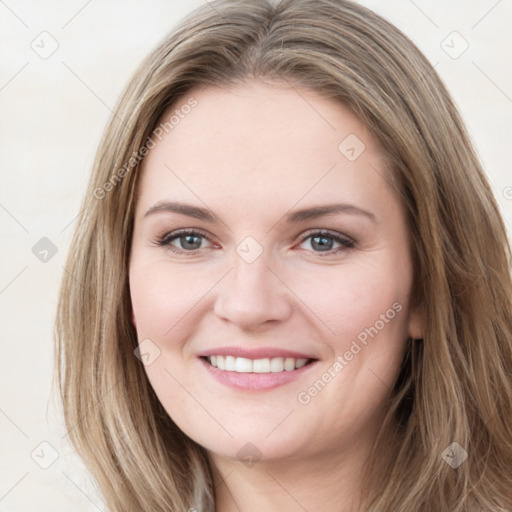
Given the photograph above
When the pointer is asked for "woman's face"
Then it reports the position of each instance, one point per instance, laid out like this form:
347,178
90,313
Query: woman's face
267,236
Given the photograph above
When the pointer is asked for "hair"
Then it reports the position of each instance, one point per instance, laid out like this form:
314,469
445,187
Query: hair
454,385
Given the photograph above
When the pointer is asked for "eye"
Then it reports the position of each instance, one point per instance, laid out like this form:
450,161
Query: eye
184,241
192,240
326,242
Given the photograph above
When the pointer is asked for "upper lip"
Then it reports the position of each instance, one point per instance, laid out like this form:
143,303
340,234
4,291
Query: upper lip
254,353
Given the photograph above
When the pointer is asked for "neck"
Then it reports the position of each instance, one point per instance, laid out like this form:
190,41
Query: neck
330,481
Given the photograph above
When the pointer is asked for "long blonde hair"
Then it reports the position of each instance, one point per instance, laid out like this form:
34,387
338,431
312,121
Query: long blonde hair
455,385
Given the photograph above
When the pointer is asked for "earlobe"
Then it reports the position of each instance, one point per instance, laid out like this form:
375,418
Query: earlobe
416,327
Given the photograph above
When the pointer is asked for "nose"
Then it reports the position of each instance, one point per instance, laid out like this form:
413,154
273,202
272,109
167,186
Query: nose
252,296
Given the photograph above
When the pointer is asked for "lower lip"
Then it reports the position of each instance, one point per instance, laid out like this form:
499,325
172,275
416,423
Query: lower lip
256,381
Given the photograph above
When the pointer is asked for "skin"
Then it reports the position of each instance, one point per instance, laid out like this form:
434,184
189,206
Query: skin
252,154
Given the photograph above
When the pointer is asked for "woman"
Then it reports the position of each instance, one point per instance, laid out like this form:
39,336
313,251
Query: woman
294,283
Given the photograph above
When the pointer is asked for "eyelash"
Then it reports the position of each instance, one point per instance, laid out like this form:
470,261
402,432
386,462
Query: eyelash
345,242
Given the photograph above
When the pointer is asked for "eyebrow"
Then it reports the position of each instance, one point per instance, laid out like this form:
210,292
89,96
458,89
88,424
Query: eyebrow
184,209
328,209
293,217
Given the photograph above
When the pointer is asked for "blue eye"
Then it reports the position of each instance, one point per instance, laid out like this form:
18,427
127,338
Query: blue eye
183,241
190,241
326,242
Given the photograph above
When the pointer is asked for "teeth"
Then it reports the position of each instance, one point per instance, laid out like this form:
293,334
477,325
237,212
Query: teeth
261,366
267,365
276,364
289,364
230,364
242,365
300,363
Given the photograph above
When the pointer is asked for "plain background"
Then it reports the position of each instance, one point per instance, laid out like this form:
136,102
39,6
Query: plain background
53,111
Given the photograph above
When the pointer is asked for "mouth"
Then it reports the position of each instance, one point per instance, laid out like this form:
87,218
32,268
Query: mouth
258,374
263,365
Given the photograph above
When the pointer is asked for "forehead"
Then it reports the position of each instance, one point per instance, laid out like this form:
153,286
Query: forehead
258,142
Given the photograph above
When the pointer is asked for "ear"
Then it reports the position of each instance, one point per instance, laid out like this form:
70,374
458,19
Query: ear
133,319
416,324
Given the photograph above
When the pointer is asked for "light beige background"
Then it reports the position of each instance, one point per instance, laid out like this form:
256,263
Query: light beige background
53,111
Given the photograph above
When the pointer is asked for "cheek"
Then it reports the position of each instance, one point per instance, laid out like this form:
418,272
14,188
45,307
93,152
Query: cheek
163,297
348,301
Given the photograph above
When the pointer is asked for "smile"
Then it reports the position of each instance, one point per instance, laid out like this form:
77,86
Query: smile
258,374
265,365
